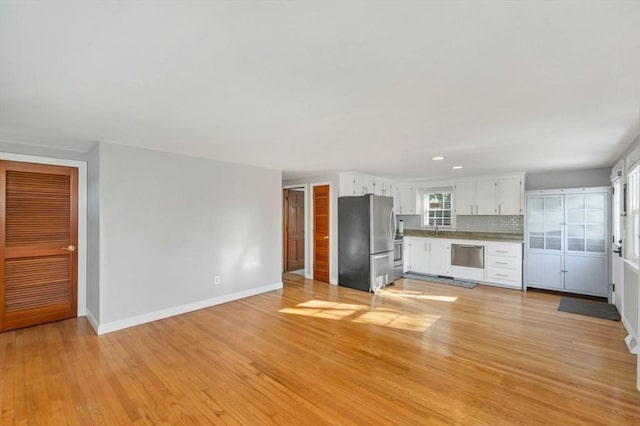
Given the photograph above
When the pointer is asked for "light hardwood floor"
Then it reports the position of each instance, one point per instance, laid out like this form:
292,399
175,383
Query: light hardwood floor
313,353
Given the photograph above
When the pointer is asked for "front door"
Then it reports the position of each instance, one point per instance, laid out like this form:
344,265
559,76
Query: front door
294,229
38,239
321,233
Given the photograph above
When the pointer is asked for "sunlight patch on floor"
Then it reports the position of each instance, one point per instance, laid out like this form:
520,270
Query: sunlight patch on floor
418,295
395,319
362,314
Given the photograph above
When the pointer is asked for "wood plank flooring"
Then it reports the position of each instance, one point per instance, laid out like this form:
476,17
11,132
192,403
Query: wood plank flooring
313,353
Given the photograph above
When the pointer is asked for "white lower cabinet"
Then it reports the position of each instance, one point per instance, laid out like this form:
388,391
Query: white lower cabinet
503,264
428,255
418,260
439,256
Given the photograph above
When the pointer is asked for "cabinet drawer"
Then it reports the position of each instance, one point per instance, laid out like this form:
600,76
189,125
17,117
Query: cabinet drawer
504,262
499,275
511,250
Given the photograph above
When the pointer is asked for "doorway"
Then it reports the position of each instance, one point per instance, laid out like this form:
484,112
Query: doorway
321,210
617,243
294,230
38,244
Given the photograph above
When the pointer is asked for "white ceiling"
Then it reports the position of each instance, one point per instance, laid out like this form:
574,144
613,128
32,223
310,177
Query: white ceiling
309,87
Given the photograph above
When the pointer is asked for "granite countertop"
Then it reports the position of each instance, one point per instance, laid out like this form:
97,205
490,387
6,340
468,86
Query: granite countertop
465,235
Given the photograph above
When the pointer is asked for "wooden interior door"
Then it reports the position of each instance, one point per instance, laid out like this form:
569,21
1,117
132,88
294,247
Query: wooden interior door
38,240
321,233
294,230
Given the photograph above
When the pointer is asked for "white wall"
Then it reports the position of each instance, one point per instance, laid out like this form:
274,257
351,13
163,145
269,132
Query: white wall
631,276
170,223
568,179
334,181
93,235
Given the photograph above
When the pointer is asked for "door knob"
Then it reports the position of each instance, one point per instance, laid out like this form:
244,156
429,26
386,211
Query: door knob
326,237
69,248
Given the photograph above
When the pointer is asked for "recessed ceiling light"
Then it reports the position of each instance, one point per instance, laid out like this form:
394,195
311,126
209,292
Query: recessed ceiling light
456,167
438,158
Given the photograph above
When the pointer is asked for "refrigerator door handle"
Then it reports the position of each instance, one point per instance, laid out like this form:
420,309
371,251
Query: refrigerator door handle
392,225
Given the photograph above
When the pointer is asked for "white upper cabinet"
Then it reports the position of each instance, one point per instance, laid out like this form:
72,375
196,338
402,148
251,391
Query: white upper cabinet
495,196
465,197
364,185
503,196
392,192
380,188
347,184
510,196
486,197
408,200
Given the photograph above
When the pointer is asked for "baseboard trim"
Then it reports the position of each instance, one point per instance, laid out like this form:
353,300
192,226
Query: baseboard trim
182,309
632,344
627,326
92,320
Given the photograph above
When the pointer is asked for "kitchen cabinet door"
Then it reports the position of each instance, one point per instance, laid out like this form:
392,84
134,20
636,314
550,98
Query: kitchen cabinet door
486,197
406,265
418,255
380,187
439,256
347,184
586,274
407,200
363,185
393,192
545,270
510,196
465,198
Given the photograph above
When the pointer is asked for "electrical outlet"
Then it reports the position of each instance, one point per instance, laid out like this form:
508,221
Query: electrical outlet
216,280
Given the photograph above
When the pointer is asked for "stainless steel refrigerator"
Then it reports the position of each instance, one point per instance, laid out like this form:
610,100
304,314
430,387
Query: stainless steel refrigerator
366,230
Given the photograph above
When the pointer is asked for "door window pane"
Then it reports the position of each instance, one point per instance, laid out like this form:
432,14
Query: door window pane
553,203
595,201
536,203
575,216
536,242
575,201
595,246
595,231
553,243
575,231
595,216
575,244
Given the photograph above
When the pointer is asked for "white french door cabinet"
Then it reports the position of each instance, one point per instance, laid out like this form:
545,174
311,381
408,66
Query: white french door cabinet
567,240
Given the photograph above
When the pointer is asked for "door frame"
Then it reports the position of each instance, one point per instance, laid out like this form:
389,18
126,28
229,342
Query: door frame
285,206
307,241
617,261
82,216
332,237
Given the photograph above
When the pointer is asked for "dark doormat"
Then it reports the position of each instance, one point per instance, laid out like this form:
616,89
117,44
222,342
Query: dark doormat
438,280
589,308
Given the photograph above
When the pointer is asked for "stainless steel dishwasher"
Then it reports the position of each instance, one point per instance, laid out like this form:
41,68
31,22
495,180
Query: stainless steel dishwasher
467,255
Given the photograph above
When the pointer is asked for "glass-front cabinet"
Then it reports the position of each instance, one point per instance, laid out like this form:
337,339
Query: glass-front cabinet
566,240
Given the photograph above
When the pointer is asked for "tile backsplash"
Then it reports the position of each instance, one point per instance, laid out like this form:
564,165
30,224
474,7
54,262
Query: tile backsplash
506,224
